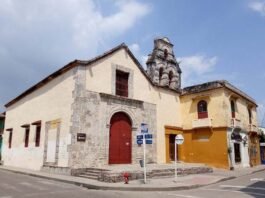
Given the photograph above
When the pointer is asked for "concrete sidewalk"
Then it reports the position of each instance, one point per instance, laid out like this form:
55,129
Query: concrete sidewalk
162,184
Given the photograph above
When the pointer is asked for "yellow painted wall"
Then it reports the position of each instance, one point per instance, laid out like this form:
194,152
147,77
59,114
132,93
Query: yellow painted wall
241,107
208,146
219,110
254,150
99,79
216,106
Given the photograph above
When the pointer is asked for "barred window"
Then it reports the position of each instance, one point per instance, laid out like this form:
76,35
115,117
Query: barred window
10,137
122,83
37,138
233,109
202,109
249,116
26,137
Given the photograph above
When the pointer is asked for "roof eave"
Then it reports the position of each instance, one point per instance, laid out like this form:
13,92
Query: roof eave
224,84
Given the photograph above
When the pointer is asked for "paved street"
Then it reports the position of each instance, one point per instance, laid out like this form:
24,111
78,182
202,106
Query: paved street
16,185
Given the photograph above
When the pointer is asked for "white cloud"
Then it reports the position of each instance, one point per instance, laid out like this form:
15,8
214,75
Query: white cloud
136,50
197,68
258,6
38,37
110,26
143,60
65,24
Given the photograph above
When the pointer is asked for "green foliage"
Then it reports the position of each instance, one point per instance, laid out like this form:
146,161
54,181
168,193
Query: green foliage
262,136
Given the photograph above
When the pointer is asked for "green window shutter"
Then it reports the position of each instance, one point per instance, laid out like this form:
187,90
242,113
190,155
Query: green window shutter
1,124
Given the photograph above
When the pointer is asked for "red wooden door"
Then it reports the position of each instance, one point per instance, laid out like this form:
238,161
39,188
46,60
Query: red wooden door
120,144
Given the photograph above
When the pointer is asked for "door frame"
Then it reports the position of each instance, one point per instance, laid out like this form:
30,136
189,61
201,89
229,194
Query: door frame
54,124
131,138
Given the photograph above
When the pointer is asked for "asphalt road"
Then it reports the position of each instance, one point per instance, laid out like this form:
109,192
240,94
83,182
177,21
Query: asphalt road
14,185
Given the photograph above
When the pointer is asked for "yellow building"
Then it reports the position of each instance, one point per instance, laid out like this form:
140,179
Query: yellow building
219,124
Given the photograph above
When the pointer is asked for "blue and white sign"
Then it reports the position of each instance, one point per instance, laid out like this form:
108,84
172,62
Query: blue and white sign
144,128
148,136
148,141
145,137
139,141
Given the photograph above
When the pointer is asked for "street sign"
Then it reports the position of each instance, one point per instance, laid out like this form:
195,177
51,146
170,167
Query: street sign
179,139
139,141
148,141
148,136
144,128
139,137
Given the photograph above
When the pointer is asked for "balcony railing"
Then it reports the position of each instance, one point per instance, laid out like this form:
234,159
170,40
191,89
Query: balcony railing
252,127
236,123
199,123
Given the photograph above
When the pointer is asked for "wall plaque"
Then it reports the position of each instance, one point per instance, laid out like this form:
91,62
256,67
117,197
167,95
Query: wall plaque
81,137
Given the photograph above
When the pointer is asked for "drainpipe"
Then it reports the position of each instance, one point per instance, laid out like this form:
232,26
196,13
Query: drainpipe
229,150
1,141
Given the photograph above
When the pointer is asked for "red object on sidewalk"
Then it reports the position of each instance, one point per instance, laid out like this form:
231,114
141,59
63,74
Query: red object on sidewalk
126,177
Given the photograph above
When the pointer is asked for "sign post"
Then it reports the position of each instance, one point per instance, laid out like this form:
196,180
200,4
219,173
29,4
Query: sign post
144,159
145,136
179,139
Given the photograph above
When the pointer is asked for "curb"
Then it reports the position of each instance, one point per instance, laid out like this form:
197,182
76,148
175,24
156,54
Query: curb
121,188
114,188
263,169
90,186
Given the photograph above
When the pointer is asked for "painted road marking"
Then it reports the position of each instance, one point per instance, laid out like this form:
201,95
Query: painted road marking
234,191
10,187
32,186
257,179
65,186
37,194
6,197
185,196
245,187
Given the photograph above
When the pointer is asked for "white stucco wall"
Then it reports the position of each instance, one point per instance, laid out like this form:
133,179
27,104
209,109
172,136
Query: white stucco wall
99,79
50,102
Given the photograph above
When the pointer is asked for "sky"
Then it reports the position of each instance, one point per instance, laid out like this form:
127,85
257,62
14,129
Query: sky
213,40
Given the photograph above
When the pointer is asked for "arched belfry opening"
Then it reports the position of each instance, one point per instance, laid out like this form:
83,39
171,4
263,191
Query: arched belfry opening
120,139
170,78
162,66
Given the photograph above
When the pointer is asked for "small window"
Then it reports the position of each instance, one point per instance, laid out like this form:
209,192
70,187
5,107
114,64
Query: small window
122,83
249,116
37,138
233,109
10,138
202,109
27,137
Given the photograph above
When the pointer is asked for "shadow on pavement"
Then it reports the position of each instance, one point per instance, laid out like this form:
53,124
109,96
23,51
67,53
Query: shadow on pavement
256,189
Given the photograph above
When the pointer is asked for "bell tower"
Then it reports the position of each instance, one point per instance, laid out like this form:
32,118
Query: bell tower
162,66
